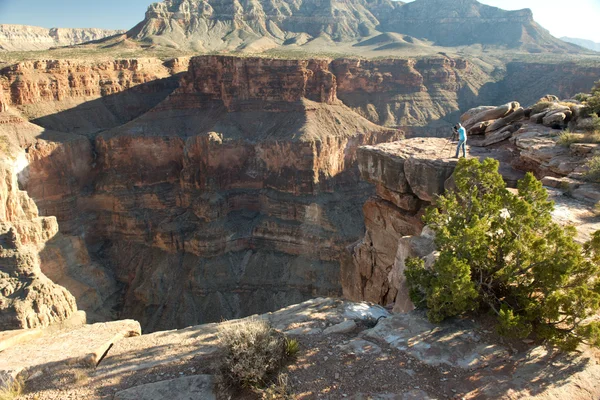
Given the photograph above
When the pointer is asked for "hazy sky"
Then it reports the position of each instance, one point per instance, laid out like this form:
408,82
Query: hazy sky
575,18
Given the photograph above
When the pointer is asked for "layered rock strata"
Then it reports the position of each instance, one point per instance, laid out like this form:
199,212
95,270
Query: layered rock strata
219,25
27,38
235,195
407,174
28,298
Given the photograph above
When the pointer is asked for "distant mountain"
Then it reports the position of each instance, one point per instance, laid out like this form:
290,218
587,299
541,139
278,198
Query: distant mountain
234,25
25,37
588,44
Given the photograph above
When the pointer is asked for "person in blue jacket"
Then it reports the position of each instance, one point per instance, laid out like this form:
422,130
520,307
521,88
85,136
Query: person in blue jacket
462,140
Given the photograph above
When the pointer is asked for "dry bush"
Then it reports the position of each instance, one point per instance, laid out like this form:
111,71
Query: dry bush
278,390
12,390
254,353
593,172
567,138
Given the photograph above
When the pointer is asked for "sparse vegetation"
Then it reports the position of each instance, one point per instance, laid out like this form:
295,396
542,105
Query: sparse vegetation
593,172
593,100
582,97
12,390
254,354
279,389
567,138
501,252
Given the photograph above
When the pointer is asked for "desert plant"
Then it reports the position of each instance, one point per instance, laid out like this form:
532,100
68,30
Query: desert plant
292,347
593,101
593,170
567,138
11,390
278,390
581,97
254,353
501,252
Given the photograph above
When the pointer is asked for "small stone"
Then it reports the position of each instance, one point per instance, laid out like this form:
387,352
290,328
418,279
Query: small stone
325,358
337,376
344,327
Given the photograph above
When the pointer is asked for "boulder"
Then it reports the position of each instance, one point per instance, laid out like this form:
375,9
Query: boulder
499,135
589,193
538,118
479,128
474,111
549,98
584,124
343,327
554,118
510,118
498,112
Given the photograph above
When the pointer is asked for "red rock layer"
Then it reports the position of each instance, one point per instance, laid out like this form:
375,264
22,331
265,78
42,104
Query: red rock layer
407,174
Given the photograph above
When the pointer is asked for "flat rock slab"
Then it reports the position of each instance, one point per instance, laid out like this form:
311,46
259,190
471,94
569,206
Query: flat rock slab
159,349
414,394
342,327
12,338
360,347
194,387
85,345
453,343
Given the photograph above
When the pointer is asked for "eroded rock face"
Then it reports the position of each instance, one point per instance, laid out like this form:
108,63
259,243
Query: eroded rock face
28,299
235,195
25,38
408,174
218,24
405,92
52,92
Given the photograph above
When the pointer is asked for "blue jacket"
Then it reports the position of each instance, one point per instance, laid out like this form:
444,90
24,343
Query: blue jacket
462,134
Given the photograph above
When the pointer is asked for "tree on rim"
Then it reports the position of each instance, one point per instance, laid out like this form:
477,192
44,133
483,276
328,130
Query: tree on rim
501,251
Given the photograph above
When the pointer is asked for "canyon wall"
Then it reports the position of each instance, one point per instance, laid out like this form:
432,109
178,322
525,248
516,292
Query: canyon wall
27,38
193,190
234,195
407,92
407,174
28,298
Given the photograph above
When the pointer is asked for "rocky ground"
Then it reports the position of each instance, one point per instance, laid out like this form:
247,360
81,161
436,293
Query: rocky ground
342,355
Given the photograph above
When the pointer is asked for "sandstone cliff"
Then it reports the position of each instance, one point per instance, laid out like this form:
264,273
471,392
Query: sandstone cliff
28,299
52,92
465,22
407,174
223,25
242,184
25,38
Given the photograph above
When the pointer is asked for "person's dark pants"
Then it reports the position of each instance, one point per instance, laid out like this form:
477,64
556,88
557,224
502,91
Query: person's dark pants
463,144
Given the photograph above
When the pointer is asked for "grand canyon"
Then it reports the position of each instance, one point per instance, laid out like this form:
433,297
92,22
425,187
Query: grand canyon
224,159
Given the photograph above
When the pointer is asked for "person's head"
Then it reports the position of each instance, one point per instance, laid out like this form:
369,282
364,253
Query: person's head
457,126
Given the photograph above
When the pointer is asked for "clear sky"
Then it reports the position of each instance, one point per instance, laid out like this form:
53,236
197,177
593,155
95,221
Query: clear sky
574,18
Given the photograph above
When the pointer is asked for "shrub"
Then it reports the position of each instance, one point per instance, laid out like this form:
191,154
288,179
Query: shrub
593,172
254,353
593,100
279,389
567,138
581,97
12,390
501,252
